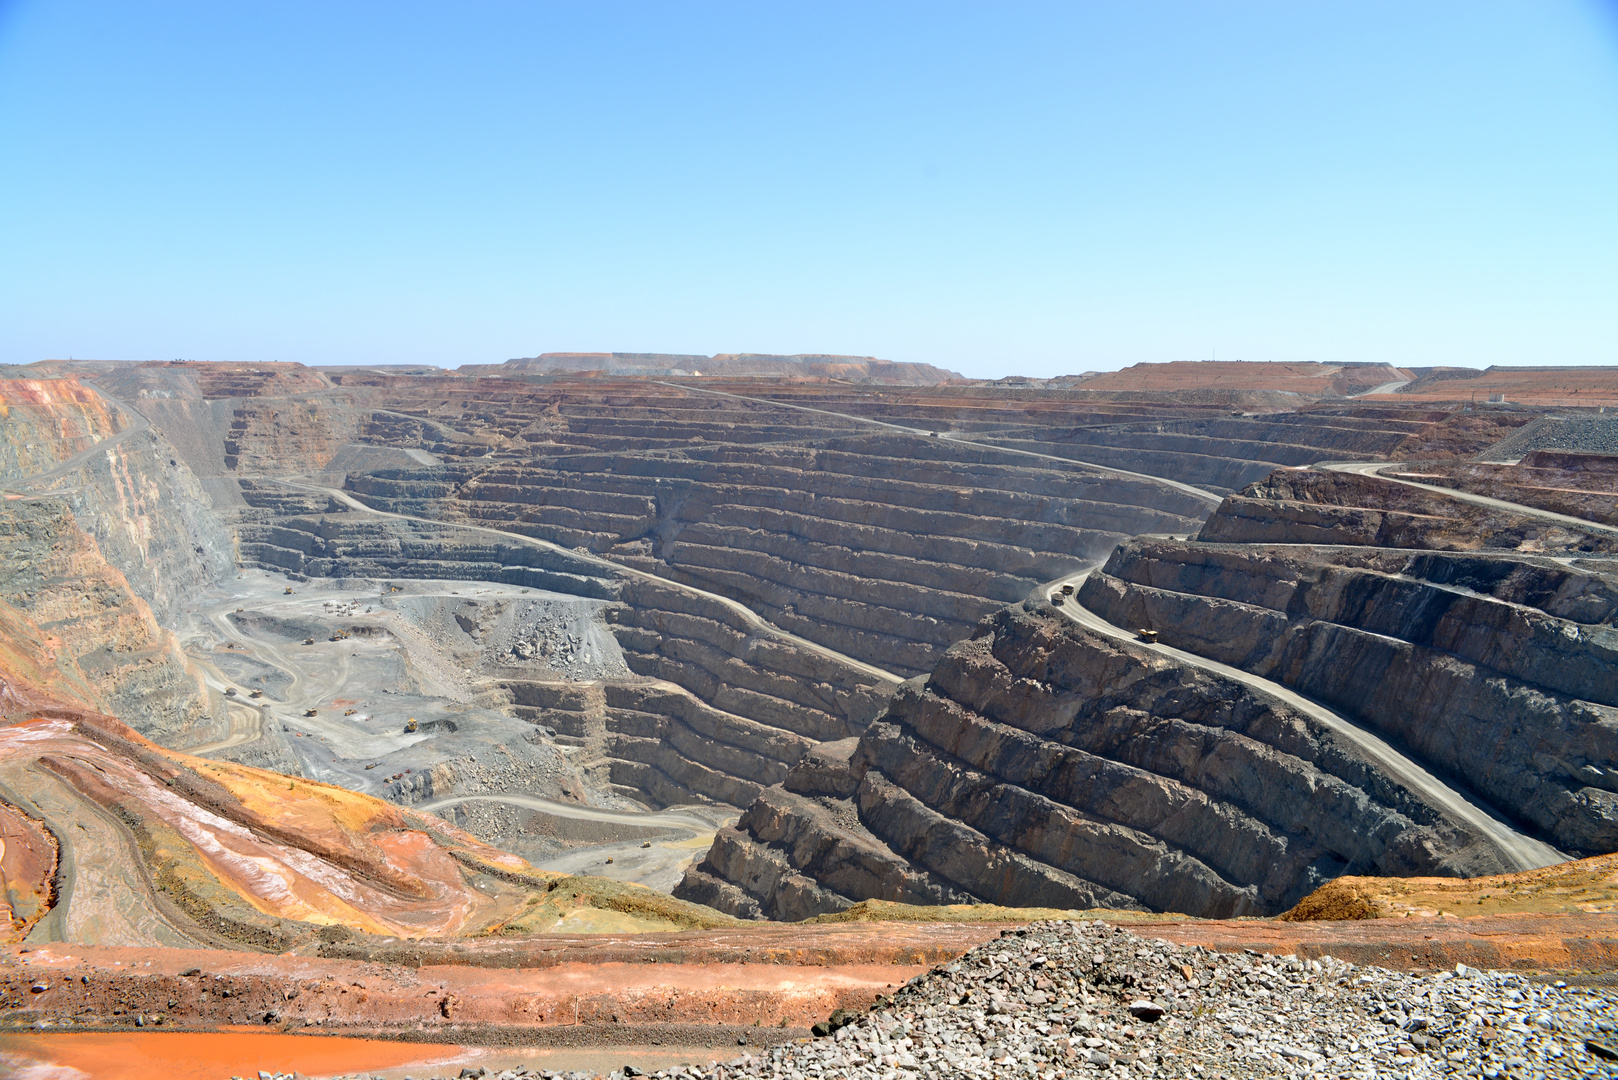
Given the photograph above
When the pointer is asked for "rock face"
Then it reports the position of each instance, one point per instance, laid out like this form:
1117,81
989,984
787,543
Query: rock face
48,421
1227,453
789,597
1495,665
722,706
124,483
1041,765
110,535
884,551
117,657
1563,482
714,522
1344,508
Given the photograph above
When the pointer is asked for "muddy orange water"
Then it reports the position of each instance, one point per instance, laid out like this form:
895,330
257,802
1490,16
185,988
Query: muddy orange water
202,1056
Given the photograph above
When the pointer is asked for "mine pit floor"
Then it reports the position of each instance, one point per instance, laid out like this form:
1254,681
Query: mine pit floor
426,651
393,671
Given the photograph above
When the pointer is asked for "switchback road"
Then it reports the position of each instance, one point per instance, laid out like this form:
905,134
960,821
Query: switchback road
1369,468
1520,852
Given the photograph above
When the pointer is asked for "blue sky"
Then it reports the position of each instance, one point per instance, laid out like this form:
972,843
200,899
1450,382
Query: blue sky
997,188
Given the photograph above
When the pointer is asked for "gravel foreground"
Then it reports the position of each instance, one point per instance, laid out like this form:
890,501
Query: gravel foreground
1085,999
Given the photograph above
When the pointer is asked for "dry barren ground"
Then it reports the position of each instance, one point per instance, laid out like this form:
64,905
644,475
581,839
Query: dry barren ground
597,1002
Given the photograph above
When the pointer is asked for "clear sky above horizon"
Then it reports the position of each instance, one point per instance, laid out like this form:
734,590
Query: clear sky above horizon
997,188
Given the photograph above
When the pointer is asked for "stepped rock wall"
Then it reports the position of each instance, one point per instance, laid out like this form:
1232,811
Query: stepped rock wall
882,547
1495,667
1031,763
1578,485
1344,508
731,708
1040,764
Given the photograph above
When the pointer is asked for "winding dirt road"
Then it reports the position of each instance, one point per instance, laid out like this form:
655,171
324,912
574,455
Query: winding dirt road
1520,852
657,863
1385,388
104,895
673,819
246,719
136,424
1369,468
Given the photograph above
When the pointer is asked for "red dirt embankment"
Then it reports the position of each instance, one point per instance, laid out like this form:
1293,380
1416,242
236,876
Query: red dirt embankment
775,977
1315,380
1549,387
614,989
288,848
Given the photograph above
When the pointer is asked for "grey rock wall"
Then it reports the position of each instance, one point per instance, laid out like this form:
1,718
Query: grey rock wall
1040,765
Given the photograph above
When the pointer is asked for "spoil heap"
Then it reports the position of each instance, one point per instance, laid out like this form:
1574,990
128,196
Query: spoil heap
821,365
1574,432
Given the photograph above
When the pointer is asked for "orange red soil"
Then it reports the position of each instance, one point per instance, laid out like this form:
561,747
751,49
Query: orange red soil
205,1055
1547,387
28,857
66,407
291,849
612,989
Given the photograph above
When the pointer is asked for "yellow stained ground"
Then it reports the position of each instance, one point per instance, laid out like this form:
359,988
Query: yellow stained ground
1585,885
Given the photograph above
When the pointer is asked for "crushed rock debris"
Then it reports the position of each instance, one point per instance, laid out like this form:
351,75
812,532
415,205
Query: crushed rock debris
1583,433
1060,1000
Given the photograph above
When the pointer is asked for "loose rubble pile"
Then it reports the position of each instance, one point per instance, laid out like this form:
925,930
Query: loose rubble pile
1071,999
1596,434
552,643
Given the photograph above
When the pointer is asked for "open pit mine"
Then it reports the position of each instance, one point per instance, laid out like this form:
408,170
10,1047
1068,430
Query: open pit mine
607,704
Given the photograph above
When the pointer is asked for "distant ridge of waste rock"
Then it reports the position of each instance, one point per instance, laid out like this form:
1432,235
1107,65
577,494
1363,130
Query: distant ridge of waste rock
816,365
